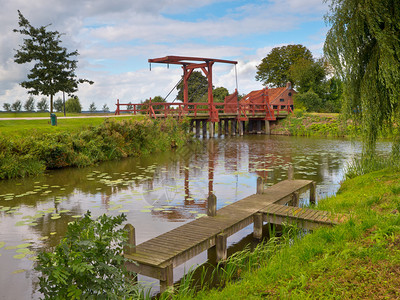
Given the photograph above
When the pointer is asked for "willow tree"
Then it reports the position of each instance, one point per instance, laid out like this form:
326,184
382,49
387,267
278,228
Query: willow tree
363,46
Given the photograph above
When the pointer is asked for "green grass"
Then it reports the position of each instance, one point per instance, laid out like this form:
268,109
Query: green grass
359,259
26,127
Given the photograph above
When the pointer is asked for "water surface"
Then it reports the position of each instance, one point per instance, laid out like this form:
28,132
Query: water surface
157,193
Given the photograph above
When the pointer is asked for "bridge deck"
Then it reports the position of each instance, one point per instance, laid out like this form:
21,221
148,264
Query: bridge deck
157,257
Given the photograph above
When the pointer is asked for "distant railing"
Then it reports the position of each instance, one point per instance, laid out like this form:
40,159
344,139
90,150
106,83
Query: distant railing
195,109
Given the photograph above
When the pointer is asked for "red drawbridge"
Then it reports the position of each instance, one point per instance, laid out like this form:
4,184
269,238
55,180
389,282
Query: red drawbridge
255,105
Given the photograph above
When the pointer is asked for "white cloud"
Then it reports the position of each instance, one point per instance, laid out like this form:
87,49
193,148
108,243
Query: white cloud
115,39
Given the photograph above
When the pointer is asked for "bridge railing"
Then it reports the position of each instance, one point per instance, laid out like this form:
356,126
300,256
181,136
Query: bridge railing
195,109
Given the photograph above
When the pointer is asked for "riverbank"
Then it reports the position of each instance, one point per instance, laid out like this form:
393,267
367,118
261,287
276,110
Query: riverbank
314,124
26,150
356,260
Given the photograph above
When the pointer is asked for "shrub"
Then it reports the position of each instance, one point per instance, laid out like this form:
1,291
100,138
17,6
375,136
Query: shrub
88,263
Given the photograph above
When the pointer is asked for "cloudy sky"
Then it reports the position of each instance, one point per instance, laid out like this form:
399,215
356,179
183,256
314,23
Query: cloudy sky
116,38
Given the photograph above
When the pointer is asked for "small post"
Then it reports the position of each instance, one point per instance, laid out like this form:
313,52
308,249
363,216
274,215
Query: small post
290,172
258,126
130,247
197,128
233,126
212,129
313,191
220,127
267,128
169,278
295,199
204,128
226,126
260,185
211,205
241,128
257,225
220,245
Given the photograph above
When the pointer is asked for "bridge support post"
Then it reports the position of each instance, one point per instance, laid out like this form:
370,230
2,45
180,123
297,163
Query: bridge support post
233,126
212,129
211,205
191,128
226,126
197,128
257,225
241,125
295,199
221,246
220,127
313,192
258,126
250,126
267,128
168,280
204,128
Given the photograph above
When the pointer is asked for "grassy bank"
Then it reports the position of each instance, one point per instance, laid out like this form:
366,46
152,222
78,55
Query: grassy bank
358,259
313,124
31,150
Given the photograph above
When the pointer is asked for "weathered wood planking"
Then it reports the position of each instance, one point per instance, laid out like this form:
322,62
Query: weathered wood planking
303,217
157,257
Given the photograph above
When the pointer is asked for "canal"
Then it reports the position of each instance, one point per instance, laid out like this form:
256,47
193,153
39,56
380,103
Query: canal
157,193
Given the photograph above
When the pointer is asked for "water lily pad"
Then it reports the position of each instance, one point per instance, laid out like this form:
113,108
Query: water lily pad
32,224
2,244
23,250
77,216
55,217
124,210
145,210
19,256
20,223
24,245
19,271
158,209
193,212
10,247
53,233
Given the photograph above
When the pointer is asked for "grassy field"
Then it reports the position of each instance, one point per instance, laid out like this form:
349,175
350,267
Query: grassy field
25,127
359,259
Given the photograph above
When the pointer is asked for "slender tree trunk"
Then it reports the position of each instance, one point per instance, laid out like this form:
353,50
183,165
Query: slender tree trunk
51,104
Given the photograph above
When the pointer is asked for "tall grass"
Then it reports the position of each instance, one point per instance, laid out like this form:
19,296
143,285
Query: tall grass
367,164
112,139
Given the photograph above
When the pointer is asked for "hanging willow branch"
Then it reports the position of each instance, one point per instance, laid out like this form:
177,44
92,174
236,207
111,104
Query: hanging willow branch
363,46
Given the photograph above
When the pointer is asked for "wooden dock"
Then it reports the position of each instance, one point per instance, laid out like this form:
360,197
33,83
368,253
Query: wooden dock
157,257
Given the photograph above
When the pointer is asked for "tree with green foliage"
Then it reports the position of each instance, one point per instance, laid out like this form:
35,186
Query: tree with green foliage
197,87
315,91
105,108
73,105
7,107
219,94
42,105
16,106
363,46
29,105
59,105
53,70
92,107
88,262
274,69
156,99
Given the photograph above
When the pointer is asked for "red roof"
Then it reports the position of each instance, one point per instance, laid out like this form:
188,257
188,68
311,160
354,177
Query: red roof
258,95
